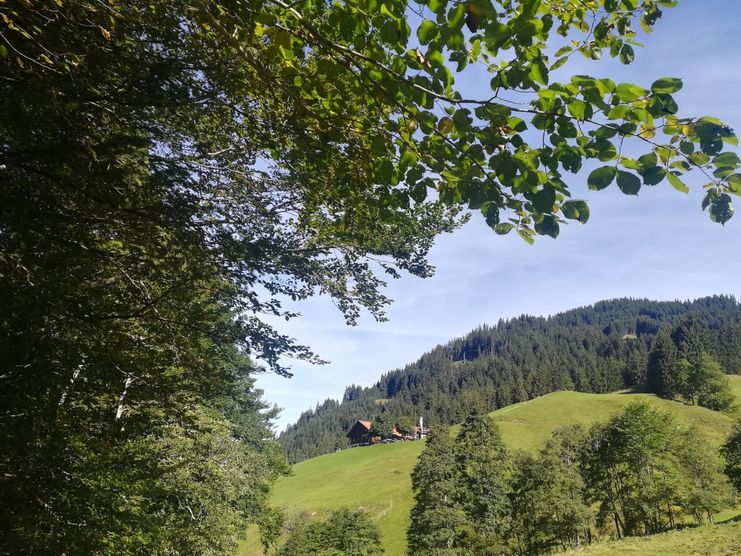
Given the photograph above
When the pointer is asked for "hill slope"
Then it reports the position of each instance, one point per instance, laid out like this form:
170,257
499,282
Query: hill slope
598,349
708,540
378,478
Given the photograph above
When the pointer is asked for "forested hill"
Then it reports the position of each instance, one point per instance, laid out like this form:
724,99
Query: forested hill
600,348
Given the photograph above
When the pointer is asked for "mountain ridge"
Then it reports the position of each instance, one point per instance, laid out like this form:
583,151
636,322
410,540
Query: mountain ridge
594,348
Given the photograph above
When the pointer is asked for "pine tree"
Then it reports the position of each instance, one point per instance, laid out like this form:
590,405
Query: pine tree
635,366
661,370
692,338
729,348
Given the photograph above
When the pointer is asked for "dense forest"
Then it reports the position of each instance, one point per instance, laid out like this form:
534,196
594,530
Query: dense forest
599,348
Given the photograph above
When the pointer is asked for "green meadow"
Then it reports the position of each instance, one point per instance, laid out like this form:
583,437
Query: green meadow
708,540
377,478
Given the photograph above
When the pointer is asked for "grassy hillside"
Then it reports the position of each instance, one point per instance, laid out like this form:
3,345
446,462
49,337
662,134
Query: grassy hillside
377,478
736,388
708,540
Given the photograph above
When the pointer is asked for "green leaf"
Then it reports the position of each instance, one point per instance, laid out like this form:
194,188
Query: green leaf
648,161
526,235
627,54
491,212
630,184
630,163
601,177
390,32
427,31
445,125
578,109
385,10
666,85
627,92
618,112
445,75
721,209
727,160
378,145
539,73
457,16
687,147
435,58
711,147
544,199
653,176
699,159
504,228
407,159
548,226
437,6
576,210
677,183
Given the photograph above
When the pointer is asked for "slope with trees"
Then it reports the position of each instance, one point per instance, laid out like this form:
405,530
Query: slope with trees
379,478
683,364
600,348
172,171
637,474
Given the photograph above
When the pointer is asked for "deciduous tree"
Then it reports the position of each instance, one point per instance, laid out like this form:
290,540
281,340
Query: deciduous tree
438,522
732,452
482,461
548,496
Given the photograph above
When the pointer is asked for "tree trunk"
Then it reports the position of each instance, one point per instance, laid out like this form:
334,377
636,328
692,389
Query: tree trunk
127,383
67,390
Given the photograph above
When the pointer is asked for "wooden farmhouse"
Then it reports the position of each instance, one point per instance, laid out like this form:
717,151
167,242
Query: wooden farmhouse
361,433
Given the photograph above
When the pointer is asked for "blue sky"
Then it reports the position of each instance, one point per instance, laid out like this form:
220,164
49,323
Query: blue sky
658,245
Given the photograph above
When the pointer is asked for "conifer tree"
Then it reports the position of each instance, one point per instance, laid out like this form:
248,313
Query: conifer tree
661,369
729,348
682,364
692,338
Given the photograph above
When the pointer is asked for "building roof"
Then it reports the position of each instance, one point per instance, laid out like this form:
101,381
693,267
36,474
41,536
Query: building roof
367,424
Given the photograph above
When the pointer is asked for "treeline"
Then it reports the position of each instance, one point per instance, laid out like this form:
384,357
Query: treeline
600,348
637,474
347,532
